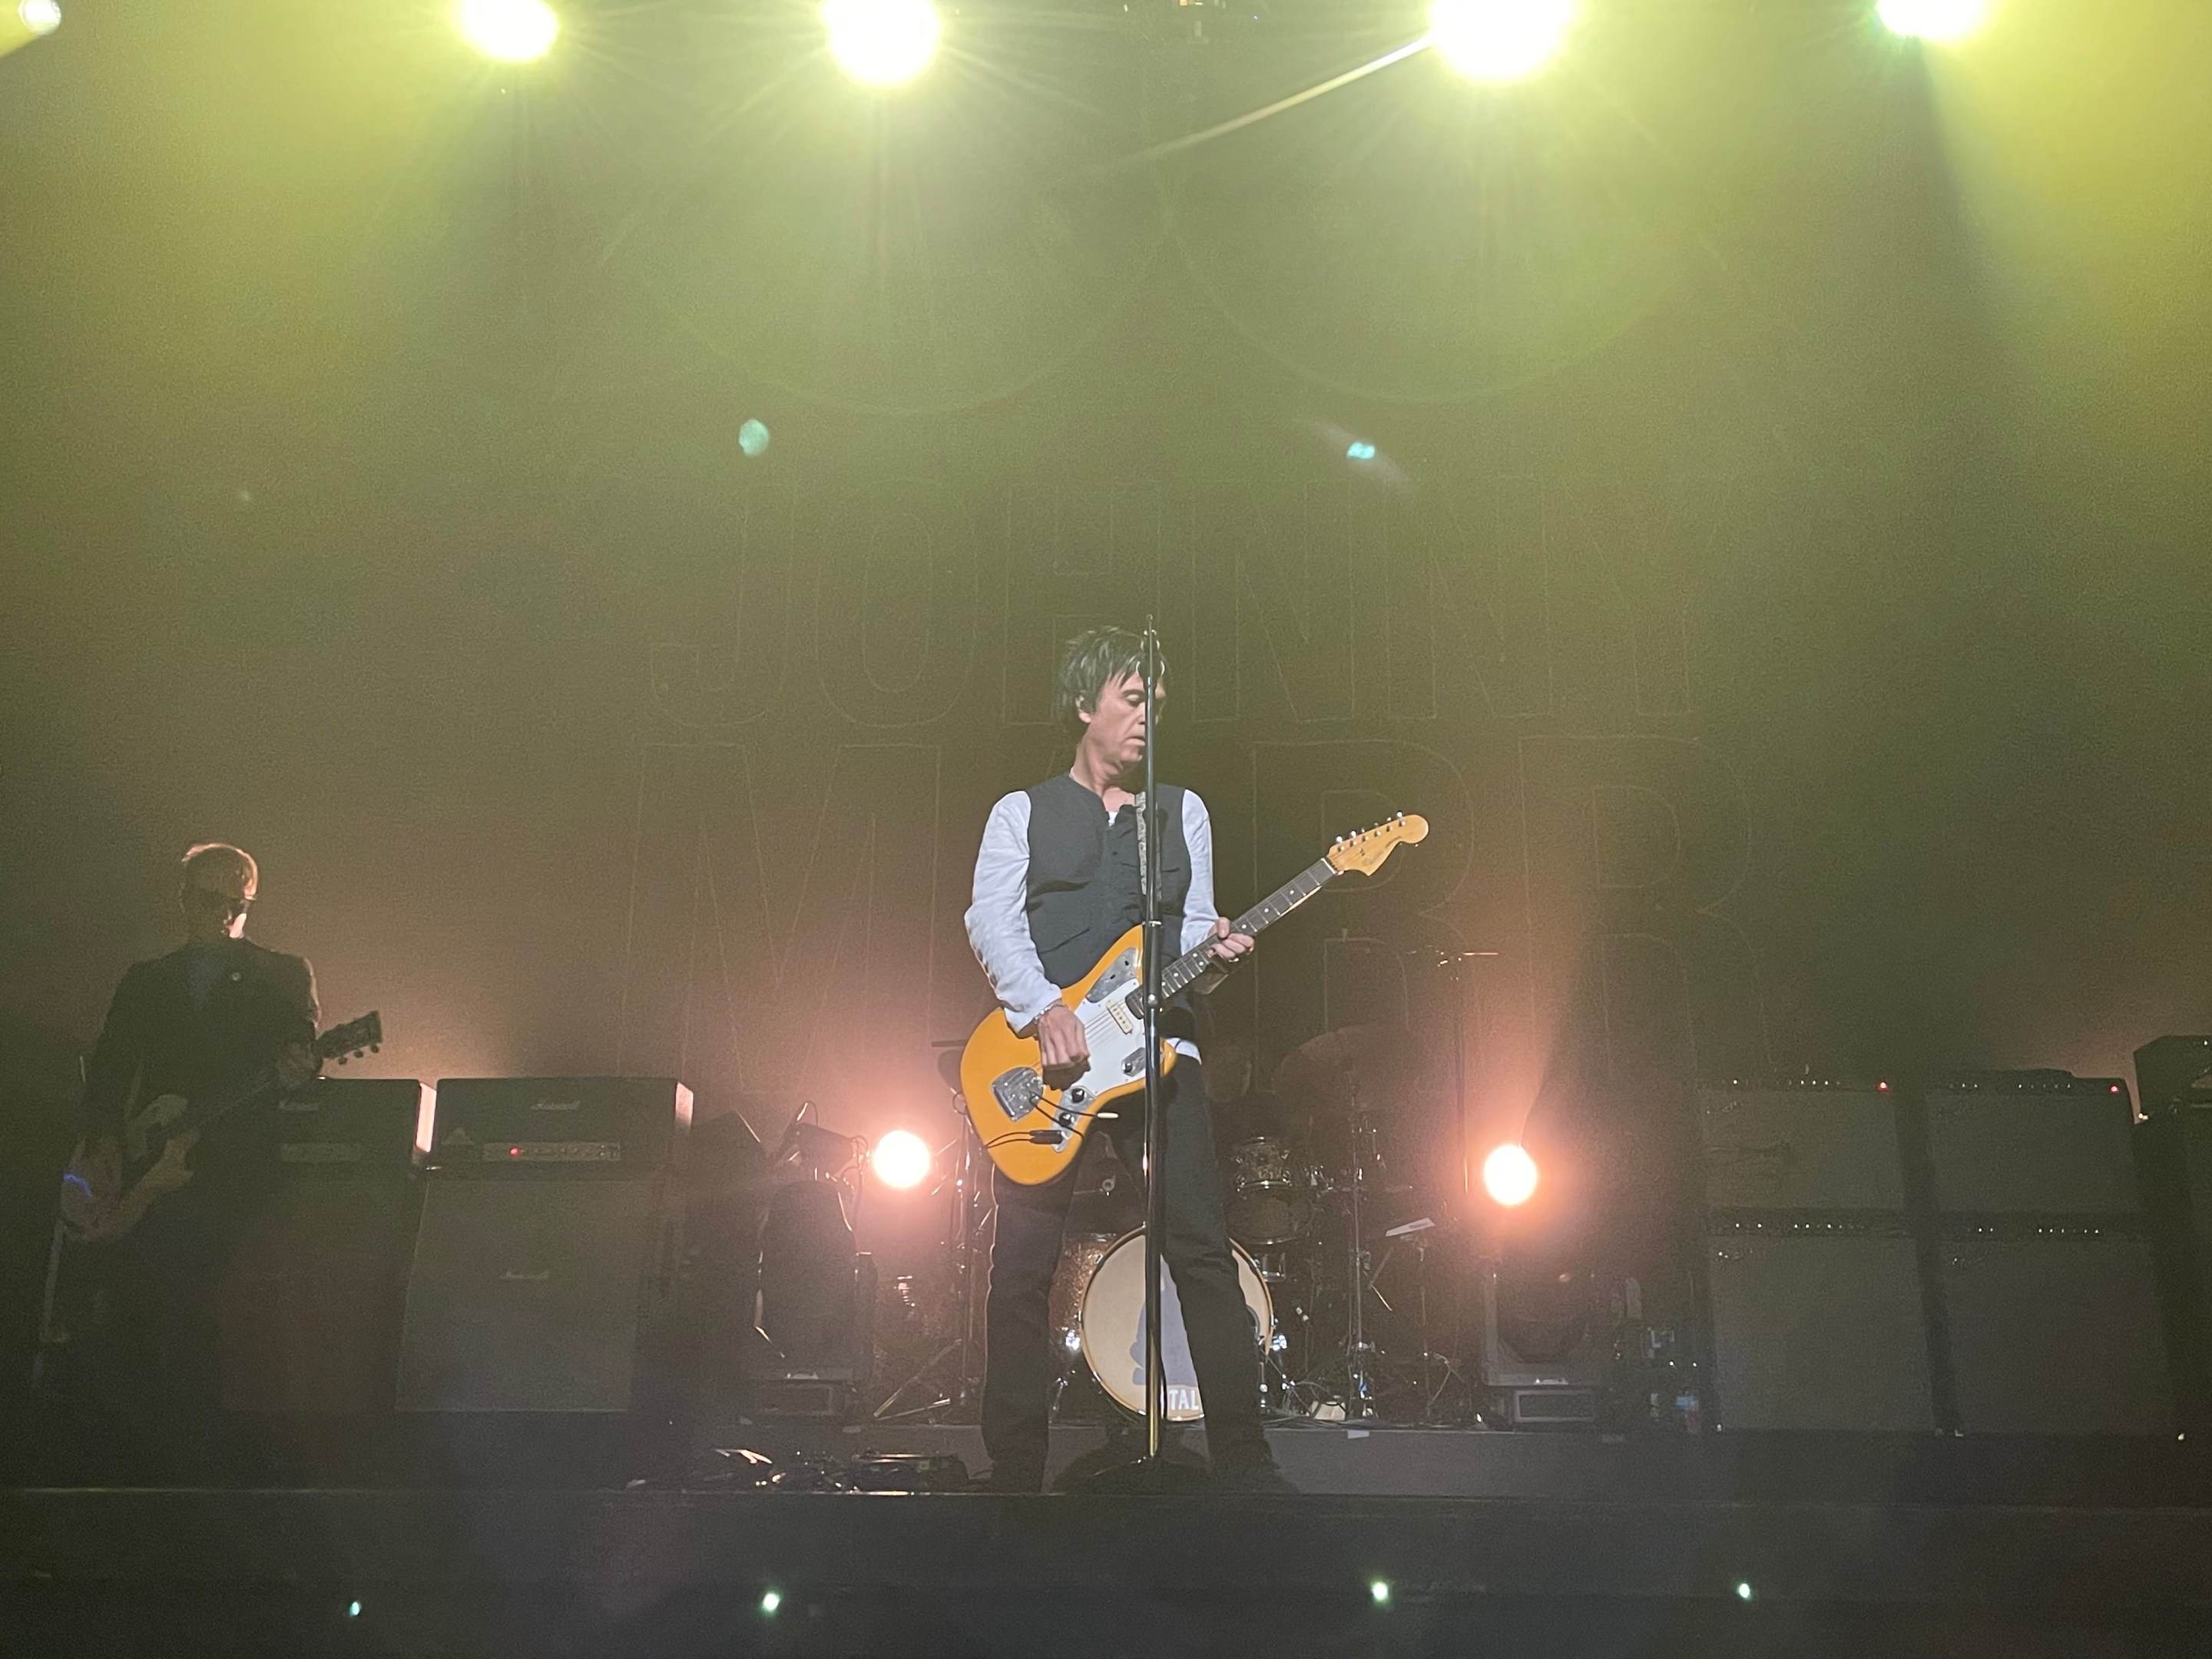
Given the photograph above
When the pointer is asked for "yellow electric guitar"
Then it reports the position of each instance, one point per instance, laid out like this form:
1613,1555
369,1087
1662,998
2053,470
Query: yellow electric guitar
158,1139
1033,1130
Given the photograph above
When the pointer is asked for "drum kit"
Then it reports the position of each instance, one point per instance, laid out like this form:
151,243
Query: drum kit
1316,1215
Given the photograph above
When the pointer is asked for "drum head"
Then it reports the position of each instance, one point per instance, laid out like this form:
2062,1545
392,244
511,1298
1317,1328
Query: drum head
1112,1322
1078,1259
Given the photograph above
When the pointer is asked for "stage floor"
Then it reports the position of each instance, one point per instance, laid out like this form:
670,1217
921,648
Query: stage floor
1642,1548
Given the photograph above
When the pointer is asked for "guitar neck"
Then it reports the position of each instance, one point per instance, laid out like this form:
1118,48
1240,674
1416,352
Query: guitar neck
198,1117
1188,969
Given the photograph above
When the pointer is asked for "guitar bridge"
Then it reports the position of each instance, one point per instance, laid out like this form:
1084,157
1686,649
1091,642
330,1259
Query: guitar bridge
1018,1092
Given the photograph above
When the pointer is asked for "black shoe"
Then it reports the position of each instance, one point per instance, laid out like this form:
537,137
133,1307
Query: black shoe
1251,1479
1006,1479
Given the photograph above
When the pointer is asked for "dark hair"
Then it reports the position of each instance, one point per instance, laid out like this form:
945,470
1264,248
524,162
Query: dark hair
1091,662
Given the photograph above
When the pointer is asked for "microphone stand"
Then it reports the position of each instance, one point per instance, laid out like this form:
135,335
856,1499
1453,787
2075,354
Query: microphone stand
1153,1470
1148,854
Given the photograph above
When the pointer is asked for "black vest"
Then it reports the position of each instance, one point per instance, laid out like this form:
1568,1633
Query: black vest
1082,876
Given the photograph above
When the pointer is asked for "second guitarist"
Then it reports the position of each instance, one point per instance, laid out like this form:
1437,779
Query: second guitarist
1056,885
197,1021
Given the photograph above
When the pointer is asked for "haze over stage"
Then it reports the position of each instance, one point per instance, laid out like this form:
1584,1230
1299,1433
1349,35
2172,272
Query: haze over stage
591,494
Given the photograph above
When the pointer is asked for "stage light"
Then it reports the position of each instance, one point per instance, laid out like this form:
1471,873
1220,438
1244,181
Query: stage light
1742,1591
512,31
770,1601
1509,1174
753,440
1359,451
1380,1590
22,21
881,42
1498,41
353,1609
1940,20
901,1159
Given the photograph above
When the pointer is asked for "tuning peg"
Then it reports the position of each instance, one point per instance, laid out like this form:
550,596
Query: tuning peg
376,1048
343,1057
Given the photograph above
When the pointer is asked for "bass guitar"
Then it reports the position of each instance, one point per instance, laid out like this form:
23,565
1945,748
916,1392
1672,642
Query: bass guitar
1032,1130
157,1140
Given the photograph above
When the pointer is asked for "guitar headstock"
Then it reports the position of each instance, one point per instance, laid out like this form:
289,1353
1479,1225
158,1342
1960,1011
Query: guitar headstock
353,1039
1366,850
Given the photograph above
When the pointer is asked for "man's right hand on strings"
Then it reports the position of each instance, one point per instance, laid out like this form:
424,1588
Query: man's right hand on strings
1067,1050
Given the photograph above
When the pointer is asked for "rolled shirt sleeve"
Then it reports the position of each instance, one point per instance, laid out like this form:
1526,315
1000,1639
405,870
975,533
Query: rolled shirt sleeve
998,916
1198,912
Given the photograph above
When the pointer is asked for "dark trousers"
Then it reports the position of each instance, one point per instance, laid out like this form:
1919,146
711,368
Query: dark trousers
155,1349
1224,1346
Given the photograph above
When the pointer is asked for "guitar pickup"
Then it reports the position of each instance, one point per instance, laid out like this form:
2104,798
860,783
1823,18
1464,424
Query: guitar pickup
1018,1092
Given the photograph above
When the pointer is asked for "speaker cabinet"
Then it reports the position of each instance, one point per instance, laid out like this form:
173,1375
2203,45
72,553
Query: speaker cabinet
308,1310
539,1295
1818,1328
2173,1149
2058,1332
1801,1147
2040,1145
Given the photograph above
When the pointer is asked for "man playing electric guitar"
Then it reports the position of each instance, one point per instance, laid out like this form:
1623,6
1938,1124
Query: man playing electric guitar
1056,884
206,1018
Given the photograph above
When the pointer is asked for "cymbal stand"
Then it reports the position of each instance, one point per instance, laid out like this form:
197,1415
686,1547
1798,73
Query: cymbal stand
1359,1353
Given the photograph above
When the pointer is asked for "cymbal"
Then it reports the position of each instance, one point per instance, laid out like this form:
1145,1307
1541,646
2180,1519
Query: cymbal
1371,1061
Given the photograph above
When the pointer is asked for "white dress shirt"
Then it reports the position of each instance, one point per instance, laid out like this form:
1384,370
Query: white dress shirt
999,921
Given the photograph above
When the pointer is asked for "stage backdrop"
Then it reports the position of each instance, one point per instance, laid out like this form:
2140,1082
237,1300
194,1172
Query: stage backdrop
1746,491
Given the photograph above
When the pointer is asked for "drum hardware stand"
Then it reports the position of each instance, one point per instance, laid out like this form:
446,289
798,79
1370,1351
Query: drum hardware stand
1455,963
965,1392
1418,1235
1359,1353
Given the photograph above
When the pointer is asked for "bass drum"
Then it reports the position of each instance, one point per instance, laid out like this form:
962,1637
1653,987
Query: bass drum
1110,1324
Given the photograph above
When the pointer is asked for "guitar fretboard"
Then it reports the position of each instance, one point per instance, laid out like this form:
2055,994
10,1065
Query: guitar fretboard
1189,968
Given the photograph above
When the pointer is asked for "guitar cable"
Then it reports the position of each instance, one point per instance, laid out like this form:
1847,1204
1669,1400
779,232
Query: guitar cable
1044,1137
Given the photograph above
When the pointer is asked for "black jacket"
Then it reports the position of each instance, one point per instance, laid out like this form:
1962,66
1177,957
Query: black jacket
157,1042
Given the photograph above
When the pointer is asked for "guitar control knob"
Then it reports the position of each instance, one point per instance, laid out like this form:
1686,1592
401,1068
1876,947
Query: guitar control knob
1076,1095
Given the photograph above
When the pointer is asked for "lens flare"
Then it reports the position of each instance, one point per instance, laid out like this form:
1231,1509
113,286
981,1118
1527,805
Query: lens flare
1940,20
1499,40
881,42
1509,1175
512,31
901,1159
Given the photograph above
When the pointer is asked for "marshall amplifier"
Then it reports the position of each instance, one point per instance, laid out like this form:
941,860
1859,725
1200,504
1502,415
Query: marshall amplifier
1817,1323
2173,1149
345,1125
1811,1267
2173,1071
615,1128
546,1264
1801,1147
2050,1309
308,1308
2032,1143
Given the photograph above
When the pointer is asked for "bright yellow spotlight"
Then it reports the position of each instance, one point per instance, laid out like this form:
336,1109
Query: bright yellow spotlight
901,1159
882,43
1940,21
1499,40
22,21
512,31
1509,1175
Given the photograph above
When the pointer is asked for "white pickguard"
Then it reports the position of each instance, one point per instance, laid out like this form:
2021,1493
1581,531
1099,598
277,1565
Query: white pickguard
1115,1032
